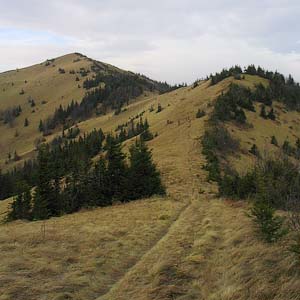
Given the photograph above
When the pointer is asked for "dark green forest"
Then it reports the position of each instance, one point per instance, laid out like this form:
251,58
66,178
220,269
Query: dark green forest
66,179
105,91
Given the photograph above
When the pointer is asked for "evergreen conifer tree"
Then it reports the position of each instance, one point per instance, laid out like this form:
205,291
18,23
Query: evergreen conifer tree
146,135
274,141
16,156
200,113
287,148
144,179
21,205
116,170
254,150
271,114
98,193
159,108
240,116
26,122
298,148
41,126
76,194
263,113
44,189
298,144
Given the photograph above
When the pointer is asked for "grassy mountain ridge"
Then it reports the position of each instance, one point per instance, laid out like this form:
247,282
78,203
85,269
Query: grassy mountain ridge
38,91
258,129
189,245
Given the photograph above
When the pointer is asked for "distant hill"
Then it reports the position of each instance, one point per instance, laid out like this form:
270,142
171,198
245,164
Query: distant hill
32,94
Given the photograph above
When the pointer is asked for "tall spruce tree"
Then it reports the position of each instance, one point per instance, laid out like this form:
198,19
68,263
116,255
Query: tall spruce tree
274,140
98,193
41,126
21,205
146,135
144,179
263,113
297,148
271,114
116,170
56,207
77,186
42,206
26,122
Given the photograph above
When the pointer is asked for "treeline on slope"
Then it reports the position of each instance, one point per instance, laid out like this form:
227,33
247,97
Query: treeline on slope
62,151
104,92
110,180
131,129
273,183
273,178
9,115
292,151
65,151
280,88
231,104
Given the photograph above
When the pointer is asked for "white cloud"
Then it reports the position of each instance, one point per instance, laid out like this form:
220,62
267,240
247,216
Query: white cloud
167,39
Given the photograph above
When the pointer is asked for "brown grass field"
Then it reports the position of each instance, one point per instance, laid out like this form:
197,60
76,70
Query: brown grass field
189,245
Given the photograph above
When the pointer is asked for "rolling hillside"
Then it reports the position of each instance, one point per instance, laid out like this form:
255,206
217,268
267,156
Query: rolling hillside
187,245
40,90
48,88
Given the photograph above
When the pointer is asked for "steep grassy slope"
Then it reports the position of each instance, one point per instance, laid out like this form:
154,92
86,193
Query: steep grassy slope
43,83
50,84
286,127
258,130
189,245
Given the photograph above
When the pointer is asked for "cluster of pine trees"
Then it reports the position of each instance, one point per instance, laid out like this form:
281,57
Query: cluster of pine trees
66,151
217,141
267,115
84,185
105,91
63,151
230,105
8,179
280,88
10,114
291,150
118,88
233,71
131,129
271,181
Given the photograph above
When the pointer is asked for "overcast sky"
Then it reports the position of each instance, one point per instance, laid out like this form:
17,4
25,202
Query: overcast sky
172,40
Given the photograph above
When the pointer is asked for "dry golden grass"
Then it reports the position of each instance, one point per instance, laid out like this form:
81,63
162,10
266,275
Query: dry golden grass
80,255
187,246
44,83
49,89
285,127
211,253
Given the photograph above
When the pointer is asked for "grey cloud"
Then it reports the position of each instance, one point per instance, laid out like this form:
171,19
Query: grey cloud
134,33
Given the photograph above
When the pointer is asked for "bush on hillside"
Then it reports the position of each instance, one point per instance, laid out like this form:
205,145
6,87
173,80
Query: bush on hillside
254,150
200,114
271,181
216,140
274,140
230,105
280,88
269,225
